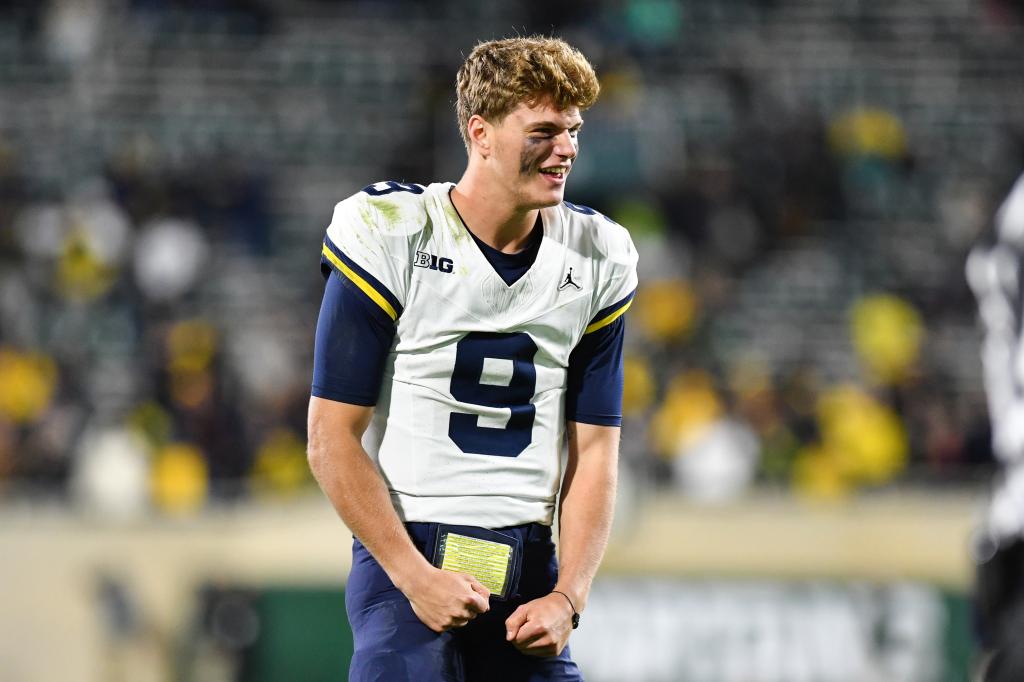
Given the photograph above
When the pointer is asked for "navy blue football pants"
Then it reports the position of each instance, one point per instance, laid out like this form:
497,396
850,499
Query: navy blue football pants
393,645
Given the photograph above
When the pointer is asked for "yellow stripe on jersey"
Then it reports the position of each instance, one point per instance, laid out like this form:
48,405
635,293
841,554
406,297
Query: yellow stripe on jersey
609,318
363,285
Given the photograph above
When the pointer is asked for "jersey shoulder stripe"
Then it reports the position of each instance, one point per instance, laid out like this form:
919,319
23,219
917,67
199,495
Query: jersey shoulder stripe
367,283
611,313
371,238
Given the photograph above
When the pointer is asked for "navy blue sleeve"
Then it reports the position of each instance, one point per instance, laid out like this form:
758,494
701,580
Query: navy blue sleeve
353,339
594,393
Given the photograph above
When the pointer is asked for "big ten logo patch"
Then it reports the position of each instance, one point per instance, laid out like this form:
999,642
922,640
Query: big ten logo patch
426,260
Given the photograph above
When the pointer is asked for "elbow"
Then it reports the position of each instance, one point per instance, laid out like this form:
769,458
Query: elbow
316,455
325,456
334,432
316,450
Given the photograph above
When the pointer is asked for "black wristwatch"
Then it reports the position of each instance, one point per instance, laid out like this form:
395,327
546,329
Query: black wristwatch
575,615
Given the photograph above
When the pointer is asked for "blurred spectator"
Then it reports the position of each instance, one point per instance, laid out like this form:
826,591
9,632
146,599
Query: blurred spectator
29,383
280,469
208,439
180,479
862,443
169,258
720,464
110,474
887,334
666,311
994,272
73,28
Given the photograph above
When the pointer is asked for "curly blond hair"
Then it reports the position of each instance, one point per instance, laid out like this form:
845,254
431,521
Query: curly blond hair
500,74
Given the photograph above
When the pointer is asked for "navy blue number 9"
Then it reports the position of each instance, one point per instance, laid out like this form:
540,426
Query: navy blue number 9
466,387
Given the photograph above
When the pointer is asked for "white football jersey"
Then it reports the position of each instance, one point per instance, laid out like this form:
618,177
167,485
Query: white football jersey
469,427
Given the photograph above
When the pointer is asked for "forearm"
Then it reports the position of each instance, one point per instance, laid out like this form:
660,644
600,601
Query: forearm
355,488
587,505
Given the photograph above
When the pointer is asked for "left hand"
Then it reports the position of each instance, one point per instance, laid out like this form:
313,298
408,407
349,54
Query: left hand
540,627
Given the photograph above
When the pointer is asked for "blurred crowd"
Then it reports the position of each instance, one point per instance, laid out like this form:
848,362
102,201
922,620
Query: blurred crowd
802,181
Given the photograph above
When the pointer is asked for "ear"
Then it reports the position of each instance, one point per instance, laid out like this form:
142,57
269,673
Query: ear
480,133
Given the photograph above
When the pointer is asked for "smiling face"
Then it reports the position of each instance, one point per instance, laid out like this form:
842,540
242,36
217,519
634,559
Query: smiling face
530,152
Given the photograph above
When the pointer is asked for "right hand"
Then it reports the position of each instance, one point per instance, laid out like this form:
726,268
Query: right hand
444,599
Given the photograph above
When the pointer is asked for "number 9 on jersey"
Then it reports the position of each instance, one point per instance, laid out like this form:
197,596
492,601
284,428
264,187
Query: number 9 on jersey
468,386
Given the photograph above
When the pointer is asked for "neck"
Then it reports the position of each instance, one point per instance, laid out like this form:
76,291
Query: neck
491,215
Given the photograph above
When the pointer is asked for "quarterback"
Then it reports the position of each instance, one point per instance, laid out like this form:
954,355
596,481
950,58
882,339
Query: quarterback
467,384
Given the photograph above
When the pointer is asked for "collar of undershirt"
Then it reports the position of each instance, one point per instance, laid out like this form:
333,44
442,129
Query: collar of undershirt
509,266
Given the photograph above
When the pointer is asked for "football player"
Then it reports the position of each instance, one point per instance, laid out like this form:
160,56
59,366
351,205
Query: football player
468,381
995,274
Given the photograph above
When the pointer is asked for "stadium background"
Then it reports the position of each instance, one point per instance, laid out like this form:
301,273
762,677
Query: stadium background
805,444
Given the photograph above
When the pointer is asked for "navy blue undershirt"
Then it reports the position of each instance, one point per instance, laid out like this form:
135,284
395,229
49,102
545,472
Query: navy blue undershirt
595,377
511,266
353,339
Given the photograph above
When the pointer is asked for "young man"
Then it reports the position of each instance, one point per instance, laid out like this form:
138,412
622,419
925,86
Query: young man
468,368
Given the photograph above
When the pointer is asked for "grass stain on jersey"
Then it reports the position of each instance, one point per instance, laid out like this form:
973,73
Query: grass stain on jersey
368,218
392,214
428,226
455,223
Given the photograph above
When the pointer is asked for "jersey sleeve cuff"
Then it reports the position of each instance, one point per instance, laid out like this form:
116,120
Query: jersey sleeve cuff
608,315
334,258
596,419
342,396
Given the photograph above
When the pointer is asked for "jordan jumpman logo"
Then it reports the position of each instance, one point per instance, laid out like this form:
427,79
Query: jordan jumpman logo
568,281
